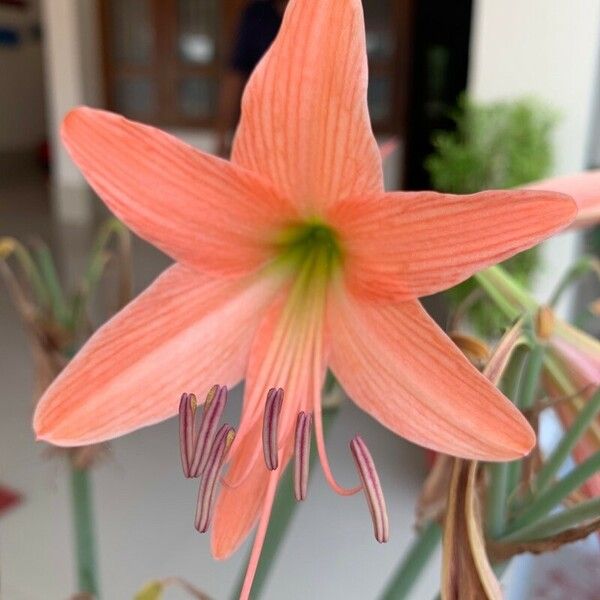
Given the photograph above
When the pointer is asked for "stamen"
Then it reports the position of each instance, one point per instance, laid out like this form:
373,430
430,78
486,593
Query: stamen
213,410
271,428
187,408
206,492
372,488
302,454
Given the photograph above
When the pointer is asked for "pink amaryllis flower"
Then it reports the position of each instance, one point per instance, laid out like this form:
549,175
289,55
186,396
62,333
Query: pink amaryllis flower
291,258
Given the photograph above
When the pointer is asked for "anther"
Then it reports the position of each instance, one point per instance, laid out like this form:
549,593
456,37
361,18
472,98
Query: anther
187,408
371,487
271,427
208,485
213,410
302,454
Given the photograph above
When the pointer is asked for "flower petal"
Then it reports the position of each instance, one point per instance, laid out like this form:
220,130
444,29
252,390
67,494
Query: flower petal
287,352
238,508
405,245
203,211
398,365
305,123
585,190
185,332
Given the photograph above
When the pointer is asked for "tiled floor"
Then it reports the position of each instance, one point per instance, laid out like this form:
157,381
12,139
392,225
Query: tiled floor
144,508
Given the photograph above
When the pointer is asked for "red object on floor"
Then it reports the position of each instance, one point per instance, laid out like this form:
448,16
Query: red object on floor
8,499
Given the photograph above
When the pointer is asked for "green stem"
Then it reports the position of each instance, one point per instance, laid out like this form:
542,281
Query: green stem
50,276
567,443
32,272
496,499
565,519
531,380
541,505
281,516
83,522
509,296
504,476
581,268
515,376
412,563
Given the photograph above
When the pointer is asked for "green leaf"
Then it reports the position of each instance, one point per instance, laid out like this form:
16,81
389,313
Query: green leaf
10,246
98,260
412,564
542,504
567,443
49,274
558,522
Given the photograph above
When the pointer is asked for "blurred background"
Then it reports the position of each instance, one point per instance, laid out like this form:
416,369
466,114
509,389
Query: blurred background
181,65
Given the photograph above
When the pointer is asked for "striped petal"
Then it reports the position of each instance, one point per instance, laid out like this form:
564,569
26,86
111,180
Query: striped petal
398,365
183,333
287,352
305,123
201,210
585,190
405,245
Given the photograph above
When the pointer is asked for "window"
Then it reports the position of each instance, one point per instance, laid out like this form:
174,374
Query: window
163,58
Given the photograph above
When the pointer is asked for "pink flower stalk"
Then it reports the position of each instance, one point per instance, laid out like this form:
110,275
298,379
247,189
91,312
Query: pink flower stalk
291,259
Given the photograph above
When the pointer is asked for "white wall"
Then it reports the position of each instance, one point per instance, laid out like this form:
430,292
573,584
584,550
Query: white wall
548,49
22,125
73,77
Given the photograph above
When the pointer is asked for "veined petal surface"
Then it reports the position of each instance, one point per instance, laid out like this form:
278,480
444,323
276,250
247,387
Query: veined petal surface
583,187
305,123
287,352
201,210
403,245
399,366
184,333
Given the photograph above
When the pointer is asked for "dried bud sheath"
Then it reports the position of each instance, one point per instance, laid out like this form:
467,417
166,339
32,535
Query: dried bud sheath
208,485
187,408
371,487
302,454
214,406
271,428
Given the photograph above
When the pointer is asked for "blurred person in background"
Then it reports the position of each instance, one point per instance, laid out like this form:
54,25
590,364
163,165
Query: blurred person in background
259,24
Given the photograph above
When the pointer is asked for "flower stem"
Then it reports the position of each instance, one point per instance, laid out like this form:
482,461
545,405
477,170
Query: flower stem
541,505
514,378
497,496
83,524
530,384
558,522
412,563
504,476
567,443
